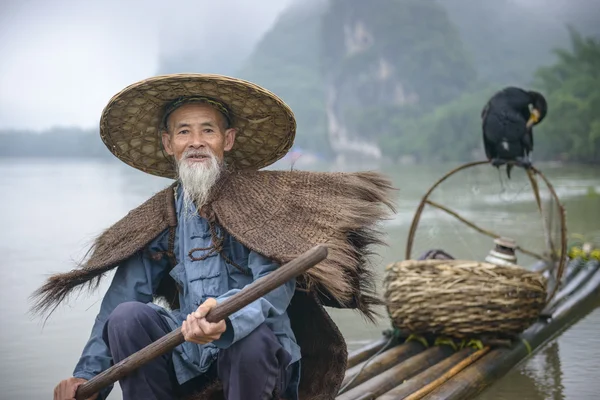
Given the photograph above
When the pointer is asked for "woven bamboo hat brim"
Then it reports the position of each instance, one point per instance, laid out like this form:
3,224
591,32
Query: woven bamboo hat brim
130,123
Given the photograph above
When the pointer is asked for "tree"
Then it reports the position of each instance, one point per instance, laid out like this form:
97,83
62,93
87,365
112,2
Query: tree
571,131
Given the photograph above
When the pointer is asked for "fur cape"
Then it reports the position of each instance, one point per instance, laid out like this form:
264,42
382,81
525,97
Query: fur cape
279,214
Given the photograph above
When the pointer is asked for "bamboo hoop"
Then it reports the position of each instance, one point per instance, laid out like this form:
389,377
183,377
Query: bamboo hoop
484,231
466,298
563,233
417,217
559,269
538,200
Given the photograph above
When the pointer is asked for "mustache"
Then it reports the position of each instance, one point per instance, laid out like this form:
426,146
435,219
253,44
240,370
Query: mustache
197,153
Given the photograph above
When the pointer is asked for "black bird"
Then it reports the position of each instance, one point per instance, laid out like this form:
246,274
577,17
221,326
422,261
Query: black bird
507,121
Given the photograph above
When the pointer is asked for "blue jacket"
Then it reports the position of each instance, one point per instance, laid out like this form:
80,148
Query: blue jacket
201,272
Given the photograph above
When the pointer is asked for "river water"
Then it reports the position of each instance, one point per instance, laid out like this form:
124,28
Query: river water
52,210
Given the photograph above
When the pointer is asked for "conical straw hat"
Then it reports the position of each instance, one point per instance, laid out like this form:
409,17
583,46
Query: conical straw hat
130,123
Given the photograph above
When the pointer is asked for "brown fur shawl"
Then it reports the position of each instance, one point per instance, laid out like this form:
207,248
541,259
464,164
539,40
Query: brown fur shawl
279,214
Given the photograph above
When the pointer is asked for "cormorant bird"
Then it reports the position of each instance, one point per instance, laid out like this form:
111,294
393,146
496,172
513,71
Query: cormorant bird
507,122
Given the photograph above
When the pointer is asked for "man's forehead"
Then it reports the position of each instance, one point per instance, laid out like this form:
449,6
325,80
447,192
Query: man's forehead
215,109
191,122
196,110
195,114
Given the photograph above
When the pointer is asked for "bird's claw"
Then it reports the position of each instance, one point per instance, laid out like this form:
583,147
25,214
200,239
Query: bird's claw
523,162
496,162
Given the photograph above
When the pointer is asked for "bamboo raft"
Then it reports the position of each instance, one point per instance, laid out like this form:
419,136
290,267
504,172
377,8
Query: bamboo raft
398,367
394,368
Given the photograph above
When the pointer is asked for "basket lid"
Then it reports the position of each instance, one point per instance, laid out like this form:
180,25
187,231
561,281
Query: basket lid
503,252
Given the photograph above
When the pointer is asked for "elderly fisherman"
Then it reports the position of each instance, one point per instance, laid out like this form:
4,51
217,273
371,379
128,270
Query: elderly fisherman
221,225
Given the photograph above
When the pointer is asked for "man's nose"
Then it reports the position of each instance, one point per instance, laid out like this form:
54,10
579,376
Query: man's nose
197,140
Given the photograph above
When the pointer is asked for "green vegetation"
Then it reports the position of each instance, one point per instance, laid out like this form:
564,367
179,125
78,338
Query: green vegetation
451,132
571,131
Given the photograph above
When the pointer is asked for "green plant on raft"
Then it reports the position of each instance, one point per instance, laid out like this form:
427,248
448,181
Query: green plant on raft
582,247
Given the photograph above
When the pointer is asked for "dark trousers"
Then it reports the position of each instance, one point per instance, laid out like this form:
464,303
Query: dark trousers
252,368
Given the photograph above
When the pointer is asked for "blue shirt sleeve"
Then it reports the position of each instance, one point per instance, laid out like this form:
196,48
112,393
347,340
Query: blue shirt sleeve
276,302
136,279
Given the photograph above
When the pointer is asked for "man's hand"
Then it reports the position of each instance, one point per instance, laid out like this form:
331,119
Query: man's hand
197,329
66,389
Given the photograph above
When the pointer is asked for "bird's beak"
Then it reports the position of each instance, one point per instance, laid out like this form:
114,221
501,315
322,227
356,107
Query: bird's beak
533,118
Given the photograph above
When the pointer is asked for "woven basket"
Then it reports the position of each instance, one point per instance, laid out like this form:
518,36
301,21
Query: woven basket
460,299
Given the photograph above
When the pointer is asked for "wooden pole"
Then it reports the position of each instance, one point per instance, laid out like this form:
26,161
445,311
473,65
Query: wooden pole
236,302
391,378
491,367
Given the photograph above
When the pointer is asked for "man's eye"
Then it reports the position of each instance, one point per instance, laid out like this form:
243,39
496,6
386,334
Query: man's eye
184,131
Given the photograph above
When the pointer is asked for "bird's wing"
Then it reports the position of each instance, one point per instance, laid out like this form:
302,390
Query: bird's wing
528,141
487,145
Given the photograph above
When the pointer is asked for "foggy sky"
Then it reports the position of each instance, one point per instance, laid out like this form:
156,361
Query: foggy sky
62,60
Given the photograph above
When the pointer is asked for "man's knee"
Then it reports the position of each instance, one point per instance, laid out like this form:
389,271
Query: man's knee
263,361
129,317
261,343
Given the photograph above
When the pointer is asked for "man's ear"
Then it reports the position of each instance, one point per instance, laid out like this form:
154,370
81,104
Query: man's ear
166,140
229,138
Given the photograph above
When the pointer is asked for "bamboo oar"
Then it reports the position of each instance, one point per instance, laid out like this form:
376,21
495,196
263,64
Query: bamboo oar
236,302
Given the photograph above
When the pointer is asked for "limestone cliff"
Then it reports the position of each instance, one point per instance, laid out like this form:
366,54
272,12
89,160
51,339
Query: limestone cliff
382,56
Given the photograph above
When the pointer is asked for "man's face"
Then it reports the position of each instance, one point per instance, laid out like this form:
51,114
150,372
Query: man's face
197,130
198,139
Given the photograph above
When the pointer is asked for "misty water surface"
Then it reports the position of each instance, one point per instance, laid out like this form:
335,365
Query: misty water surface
52,210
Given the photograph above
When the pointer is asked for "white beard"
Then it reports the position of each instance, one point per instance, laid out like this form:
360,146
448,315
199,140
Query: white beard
197,178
